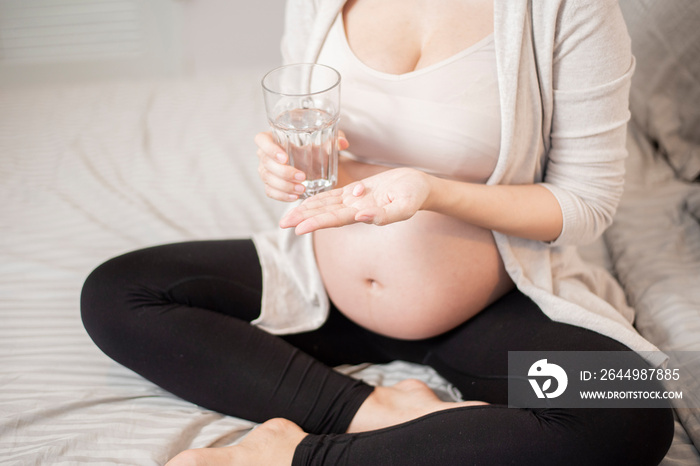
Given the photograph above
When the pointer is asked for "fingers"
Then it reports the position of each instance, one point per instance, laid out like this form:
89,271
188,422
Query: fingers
342,141
383,215
330,209
316,205
324,210
327,219
282,181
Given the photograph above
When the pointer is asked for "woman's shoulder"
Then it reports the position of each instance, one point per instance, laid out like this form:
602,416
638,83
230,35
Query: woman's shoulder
580,32
562,19
565,14
585,14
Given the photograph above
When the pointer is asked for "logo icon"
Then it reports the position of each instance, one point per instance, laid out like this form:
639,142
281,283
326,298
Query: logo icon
543,369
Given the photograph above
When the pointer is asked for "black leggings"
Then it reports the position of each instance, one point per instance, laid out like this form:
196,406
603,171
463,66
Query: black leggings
179,315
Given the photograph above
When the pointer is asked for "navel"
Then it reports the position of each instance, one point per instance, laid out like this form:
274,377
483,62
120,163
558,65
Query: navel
372,284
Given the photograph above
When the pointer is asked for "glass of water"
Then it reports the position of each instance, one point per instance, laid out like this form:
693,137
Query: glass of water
302,102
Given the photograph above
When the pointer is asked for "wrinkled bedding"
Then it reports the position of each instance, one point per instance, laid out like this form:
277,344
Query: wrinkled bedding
89,172
654,241
654,245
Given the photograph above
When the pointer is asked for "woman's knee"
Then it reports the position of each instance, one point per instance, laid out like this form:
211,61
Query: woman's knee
639,436
105,300
646,435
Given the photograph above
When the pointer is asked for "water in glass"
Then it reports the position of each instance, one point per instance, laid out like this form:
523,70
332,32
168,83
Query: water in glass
309,135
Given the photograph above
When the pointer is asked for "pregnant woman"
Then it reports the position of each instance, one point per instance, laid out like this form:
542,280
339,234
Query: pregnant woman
483,140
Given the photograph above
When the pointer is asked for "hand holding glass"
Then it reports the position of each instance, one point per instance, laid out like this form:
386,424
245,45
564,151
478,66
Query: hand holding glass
302,103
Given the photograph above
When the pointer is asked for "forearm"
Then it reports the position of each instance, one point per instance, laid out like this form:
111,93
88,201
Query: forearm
526,211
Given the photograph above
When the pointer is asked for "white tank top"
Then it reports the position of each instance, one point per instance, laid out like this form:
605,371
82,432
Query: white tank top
443,119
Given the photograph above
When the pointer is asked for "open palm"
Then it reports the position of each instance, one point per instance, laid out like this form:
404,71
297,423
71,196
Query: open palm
388,197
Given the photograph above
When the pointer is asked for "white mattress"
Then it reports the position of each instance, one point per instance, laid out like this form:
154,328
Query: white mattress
89,172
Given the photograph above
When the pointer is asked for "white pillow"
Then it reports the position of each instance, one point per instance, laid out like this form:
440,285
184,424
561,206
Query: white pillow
665,95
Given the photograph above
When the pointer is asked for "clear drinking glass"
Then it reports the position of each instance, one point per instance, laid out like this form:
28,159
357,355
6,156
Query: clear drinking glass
302,102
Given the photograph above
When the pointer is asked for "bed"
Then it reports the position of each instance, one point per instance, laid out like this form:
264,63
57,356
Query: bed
94,170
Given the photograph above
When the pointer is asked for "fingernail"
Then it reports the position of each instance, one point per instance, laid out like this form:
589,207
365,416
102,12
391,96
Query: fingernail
299,188
364,218
292,197
357,190
300,176
281,157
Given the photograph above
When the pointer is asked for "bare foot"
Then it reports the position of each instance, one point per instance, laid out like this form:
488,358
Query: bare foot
405,401
271,443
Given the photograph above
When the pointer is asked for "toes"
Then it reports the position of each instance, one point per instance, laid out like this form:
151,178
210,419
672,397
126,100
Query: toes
271,443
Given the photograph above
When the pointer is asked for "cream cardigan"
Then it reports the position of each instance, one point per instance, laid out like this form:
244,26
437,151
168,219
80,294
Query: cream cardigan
564,69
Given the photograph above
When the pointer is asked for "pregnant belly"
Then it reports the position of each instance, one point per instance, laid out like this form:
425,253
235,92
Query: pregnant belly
413,279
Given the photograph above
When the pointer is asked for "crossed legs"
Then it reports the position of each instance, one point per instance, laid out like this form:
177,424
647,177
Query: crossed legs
179,314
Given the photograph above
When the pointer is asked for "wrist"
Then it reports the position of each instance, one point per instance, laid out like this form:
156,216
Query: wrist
436,193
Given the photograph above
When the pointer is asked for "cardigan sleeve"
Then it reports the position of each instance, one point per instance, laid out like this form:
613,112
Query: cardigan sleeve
591,72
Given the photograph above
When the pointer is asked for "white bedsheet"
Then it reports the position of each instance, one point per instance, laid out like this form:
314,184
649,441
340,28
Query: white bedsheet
89,172
86,173
654,244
